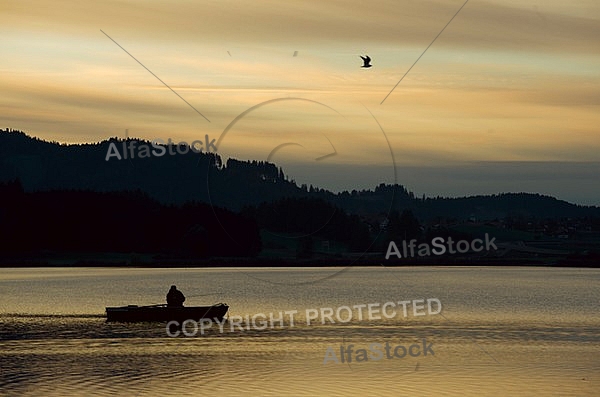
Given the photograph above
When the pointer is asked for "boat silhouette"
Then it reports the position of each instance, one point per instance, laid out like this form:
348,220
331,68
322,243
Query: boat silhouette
163,312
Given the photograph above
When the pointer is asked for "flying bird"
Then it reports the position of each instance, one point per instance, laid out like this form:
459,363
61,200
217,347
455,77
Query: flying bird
367,61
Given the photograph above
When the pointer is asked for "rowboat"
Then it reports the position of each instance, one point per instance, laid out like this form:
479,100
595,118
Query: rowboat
161,313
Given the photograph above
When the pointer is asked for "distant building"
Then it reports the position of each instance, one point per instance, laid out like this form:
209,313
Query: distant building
384,224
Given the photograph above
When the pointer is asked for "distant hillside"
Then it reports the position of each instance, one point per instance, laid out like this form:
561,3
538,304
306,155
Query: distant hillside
497,206
172,179
179,178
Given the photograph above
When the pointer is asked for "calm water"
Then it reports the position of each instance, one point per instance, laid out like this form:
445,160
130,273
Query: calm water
502,331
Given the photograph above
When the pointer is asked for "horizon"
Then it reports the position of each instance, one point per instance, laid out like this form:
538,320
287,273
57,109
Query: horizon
309,183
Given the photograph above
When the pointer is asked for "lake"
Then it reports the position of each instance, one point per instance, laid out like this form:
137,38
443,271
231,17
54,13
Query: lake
501,331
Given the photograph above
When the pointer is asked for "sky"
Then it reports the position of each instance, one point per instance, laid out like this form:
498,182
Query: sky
507,99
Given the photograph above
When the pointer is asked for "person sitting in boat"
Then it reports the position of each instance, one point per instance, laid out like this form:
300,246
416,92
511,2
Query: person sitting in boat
175,297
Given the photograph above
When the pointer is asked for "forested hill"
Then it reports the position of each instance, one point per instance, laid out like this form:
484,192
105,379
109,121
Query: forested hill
38,223
179,178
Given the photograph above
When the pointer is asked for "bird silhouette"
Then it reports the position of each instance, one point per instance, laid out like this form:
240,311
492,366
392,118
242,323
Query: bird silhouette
367,61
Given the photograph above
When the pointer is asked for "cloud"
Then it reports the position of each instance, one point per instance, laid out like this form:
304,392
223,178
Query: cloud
334,24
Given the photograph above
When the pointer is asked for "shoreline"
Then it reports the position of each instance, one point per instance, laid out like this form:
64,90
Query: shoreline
291,263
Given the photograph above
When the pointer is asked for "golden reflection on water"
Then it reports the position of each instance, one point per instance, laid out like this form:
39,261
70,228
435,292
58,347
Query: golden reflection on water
544,347
492,360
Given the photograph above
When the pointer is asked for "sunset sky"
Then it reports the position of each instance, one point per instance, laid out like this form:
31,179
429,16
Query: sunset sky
506,99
